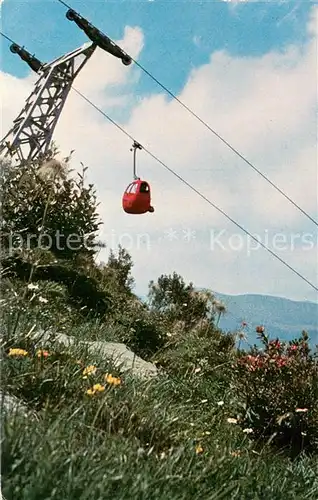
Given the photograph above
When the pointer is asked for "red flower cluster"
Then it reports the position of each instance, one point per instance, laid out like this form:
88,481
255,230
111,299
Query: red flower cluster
262,361
273,356
252,363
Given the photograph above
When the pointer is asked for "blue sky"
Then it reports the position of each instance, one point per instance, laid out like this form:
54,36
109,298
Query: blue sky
179,35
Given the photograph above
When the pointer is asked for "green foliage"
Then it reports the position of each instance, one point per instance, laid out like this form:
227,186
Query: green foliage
117,272
44,210
114,277
203,352
44,207
84,293
165,438
278,388
178,301
139,328
45,304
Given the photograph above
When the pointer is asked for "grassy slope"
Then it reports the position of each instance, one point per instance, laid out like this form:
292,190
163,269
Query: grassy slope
135,441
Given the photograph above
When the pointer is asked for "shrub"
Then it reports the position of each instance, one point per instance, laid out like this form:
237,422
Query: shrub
178,301
140,329
84,293
205,351
43,205
279,389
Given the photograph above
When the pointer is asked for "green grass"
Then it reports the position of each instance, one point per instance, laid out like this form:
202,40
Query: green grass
134,441
71,461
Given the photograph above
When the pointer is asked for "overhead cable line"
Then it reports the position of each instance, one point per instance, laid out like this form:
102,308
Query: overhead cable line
235,151
194,189
6,37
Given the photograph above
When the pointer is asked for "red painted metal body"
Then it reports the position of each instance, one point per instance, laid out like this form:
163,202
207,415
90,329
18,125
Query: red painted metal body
137,198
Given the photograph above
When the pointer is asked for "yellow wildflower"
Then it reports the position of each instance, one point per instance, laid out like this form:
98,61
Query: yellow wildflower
89,370
112,380
198,449
95,388
98,388
17,352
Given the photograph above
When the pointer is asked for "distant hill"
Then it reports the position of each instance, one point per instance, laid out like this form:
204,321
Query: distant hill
281,317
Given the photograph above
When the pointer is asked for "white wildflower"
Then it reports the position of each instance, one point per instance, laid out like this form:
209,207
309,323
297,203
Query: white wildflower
232,420
247,431
33,287
220,403
43,300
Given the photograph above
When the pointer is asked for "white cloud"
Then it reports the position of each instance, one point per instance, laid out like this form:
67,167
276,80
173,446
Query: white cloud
313,25
265,107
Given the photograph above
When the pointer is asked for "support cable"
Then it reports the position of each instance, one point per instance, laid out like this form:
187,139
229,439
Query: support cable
234,150
194,189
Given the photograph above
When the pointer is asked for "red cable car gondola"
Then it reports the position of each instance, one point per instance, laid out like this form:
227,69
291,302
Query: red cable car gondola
137,196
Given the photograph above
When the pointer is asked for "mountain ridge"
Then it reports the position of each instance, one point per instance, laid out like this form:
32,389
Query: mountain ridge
282,317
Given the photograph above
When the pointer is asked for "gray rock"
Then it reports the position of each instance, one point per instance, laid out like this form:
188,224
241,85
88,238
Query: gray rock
12,405
116,351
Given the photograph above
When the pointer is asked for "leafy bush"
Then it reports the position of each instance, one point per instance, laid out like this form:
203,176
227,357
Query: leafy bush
48,231
117,272
83,292
279,390
140,329
204,351
44,207
177,301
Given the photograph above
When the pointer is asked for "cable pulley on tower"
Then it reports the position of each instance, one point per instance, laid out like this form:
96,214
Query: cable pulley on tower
98,37
32,61
32,131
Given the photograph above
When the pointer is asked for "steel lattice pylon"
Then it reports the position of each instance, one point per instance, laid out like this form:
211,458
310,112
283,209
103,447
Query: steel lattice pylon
31,134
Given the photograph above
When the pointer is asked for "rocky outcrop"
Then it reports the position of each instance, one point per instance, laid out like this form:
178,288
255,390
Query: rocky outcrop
11,405
116,351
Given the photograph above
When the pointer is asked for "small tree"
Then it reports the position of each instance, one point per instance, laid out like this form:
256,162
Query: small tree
177,301
43,207
117,271
48,230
